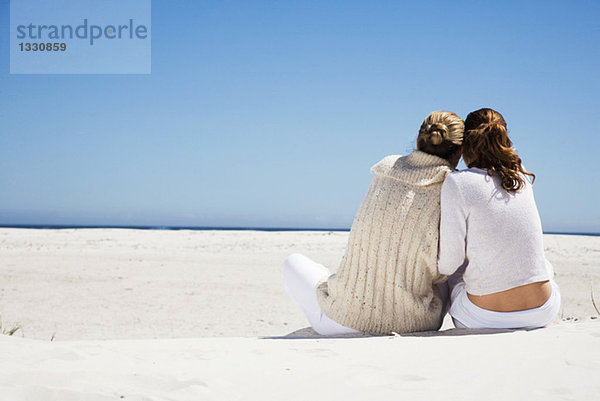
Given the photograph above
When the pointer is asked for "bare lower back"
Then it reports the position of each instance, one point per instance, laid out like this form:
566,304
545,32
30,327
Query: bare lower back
525,297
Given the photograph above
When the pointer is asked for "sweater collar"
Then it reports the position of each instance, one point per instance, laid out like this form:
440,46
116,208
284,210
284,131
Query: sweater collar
418,168
418,158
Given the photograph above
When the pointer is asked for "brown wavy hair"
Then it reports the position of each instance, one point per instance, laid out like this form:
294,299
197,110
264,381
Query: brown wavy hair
486,145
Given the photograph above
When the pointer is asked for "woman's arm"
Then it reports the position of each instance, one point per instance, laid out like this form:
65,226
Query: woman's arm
453,227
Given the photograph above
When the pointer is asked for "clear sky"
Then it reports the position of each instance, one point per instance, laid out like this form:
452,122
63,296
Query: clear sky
270,114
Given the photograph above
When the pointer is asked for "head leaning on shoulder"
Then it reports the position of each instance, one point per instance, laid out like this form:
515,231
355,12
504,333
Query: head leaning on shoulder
486,145
441,134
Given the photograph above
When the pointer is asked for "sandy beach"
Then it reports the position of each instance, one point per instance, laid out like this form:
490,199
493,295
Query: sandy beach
158,315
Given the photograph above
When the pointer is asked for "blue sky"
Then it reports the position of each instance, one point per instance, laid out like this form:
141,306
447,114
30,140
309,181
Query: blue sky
270,114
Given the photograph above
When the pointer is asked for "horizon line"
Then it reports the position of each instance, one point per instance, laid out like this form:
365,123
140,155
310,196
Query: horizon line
220,228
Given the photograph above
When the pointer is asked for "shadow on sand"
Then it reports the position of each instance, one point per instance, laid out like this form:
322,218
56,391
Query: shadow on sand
309,333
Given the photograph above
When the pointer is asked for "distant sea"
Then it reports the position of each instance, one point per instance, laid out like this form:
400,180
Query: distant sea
58,226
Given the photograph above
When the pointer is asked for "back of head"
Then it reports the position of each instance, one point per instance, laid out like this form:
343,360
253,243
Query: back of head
486,145
441,134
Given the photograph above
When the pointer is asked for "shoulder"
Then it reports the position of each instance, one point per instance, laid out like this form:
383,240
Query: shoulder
451,185
385,164
460,183
469,177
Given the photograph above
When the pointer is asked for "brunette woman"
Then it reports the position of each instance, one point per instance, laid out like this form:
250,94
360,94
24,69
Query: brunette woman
491,235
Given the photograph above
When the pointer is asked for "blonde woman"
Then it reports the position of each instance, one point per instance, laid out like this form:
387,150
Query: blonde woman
491,235
386,281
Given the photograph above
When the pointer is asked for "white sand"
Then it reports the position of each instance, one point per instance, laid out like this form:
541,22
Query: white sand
129,310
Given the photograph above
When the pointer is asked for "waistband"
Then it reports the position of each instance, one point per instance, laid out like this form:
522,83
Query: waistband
470,315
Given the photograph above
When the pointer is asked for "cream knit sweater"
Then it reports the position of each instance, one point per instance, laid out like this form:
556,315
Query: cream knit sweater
385,281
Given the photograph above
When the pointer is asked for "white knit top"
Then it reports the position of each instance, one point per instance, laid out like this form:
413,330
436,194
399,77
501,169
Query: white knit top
497,235
385,281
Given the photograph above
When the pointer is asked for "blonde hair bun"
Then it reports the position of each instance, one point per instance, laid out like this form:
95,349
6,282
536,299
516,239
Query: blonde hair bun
441,133
436,133
435,138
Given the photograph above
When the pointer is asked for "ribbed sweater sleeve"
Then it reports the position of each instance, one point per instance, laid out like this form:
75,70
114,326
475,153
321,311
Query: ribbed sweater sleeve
453,227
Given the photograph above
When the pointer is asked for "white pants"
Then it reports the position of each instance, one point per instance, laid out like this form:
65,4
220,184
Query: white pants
466,314
300,278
